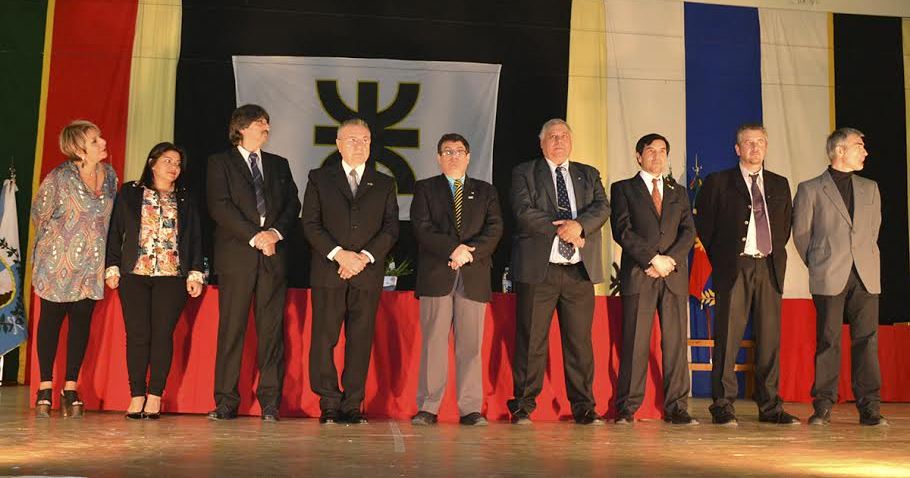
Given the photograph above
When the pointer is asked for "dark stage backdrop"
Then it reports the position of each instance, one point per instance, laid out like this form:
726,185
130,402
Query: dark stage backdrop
869,96
530,40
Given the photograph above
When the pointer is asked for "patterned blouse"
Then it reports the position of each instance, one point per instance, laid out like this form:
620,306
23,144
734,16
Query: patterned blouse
158,235
71,225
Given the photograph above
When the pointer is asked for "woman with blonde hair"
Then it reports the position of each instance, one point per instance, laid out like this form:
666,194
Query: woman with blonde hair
71,212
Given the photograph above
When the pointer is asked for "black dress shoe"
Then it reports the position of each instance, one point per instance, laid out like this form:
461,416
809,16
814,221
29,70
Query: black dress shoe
354,417
724,416
589,417
424,418
820,417
779,418
521,417
329,417
624,417
474,419
680,417
872,418
222,414
135,416
270,414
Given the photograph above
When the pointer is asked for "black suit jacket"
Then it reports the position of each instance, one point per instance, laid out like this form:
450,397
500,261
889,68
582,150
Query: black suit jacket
534,205
232,205
332,216
642,234
433,221
123,235
722,212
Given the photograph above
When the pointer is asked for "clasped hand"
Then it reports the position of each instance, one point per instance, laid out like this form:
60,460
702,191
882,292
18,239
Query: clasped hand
570,230
661,266
265,241
350,263
461,256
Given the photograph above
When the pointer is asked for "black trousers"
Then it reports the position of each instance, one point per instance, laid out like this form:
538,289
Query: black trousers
267,288
568,291
861,310
637,317
752,293
151,307
52,315
356,309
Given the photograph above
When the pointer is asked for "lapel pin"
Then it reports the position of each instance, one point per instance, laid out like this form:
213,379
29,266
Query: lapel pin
369,184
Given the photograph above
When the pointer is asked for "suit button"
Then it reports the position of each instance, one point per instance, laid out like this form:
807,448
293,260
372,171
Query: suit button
354,227
749,206
744,239
746,222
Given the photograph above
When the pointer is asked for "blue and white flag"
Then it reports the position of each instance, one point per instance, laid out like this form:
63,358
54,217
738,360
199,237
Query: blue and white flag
12,312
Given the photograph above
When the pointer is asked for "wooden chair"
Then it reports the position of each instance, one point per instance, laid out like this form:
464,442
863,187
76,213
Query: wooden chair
748,367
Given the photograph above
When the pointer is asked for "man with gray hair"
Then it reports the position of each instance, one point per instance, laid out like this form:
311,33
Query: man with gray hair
560,207
350,219
836,219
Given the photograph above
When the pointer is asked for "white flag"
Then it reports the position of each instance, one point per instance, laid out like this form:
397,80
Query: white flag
408,105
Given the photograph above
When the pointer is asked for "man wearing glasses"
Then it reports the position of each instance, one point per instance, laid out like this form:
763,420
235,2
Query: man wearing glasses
350,218
836,219
560,207
457,223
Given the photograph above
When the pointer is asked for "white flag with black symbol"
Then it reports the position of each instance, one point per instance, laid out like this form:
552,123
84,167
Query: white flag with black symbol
408,105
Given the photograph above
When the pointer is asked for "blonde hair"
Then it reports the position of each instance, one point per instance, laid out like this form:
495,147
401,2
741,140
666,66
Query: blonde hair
72,137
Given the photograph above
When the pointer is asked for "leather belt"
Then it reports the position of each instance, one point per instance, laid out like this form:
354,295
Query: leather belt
754,256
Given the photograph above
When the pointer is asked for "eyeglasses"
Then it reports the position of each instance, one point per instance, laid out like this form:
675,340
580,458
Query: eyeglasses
454,153
354,142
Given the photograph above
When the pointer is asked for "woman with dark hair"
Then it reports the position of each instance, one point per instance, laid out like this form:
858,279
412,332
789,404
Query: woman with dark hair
71,211
154,255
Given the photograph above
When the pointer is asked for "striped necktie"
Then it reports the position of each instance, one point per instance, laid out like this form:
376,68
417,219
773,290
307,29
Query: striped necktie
459,193
258,184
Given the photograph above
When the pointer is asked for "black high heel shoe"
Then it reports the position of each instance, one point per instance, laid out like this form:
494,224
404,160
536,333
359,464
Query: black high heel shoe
152,416
137,415
71,404
43,403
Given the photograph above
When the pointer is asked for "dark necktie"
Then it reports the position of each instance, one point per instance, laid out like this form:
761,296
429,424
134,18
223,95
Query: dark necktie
459,193
354,181
566,249
258,184
655,195
762,231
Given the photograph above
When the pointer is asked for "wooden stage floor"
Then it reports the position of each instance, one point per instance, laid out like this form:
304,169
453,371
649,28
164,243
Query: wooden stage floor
105,444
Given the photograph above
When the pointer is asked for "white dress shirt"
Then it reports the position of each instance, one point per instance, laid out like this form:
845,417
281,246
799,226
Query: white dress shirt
751,247
246,159
555,256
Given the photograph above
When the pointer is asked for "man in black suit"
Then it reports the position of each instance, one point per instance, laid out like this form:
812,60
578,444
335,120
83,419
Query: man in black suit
253,200
457,223
350,218
743,219
652,221
560,207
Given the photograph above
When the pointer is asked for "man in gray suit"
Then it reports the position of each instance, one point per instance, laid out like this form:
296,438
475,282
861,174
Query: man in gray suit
836,218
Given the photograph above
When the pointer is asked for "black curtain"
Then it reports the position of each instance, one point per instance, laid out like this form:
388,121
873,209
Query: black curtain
869,96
